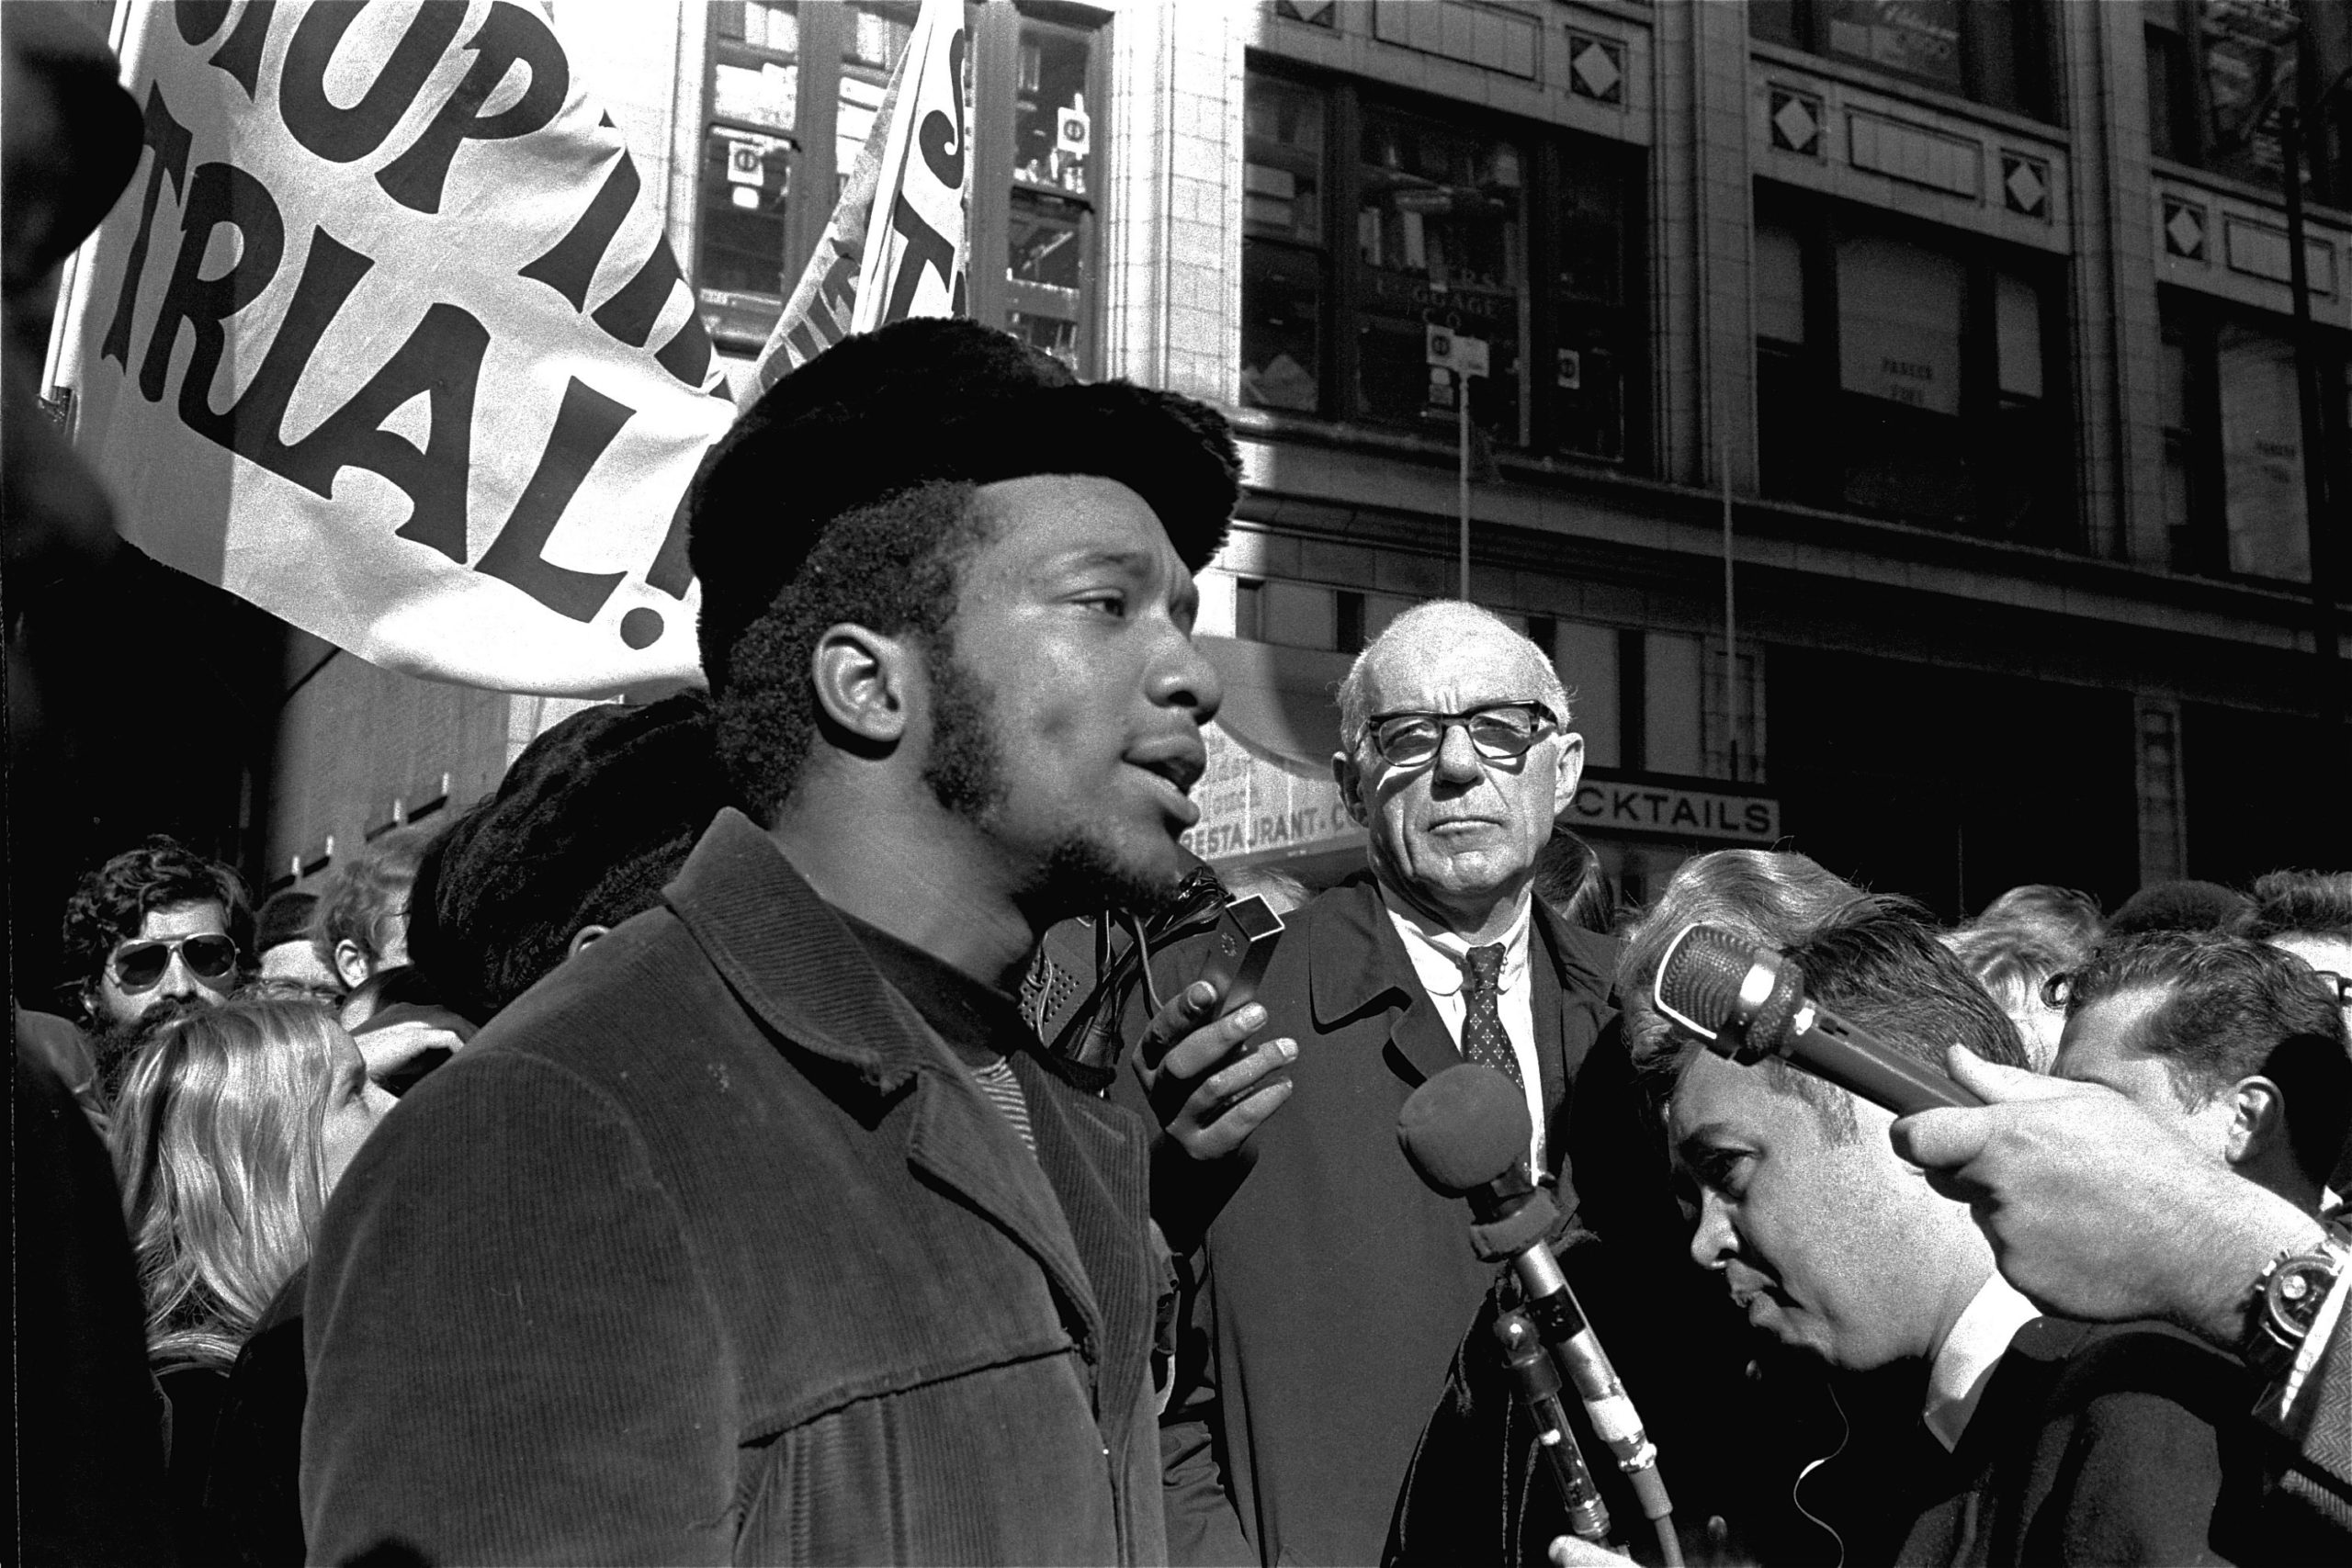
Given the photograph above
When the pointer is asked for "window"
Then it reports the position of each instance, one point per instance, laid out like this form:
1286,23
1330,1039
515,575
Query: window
2233,439
1994,51
2218,69
1051,258
750,149
1909,374
793,92
1515,234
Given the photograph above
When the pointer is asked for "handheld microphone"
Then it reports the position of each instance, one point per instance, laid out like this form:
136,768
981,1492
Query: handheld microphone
1748,1003
1464,1133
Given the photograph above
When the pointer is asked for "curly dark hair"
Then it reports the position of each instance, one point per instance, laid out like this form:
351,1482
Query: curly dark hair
894,567
2232,1008
114,901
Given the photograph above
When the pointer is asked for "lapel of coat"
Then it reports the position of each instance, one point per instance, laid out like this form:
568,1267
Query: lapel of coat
801,972
1357,961
1098,1162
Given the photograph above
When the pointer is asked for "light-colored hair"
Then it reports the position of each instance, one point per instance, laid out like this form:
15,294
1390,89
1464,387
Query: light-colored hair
1766,898
365,899
1436,623
217,1141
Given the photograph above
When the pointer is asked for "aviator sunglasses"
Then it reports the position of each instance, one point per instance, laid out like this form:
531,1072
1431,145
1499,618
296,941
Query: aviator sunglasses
140,965
1497,732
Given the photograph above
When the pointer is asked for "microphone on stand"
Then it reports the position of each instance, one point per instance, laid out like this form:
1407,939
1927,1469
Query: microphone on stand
1465,1132
1749,1002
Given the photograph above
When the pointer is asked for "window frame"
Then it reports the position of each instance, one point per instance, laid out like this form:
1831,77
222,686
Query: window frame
992,64
1345,291
2034,58
1809,468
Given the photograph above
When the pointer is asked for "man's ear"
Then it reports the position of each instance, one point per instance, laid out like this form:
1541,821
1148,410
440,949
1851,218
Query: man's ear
1571,769
2257,1119
351,963
1348,776
583,937
862,679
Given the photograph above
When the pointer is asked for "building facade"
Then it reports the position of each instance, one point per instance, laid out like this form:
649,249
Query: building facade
1889,416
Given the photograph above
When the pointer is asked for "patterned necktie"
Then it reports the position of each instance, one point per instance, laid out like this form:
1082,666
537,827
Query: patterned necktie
1483,1040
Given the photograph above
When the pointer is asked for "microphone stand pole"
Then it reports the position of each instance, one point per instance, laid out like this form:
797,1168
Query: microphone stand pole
1538,1379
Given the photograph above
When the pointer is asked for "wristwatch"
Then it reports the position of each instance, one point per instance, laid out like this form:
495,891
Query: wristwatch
2287,1297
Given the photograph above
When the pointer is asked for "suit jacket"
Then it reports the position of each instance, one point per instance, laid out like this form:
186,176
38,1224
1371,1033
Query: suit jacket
708,1250
2103,1443
1333,1286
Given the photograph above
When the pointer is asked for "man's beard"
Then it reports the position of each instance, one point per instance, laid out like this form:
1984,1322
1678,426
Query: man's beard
967,771
116,1046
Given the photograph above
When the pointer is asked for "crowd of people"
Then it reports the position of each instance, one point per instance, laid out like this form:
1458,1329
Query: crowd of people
788,1122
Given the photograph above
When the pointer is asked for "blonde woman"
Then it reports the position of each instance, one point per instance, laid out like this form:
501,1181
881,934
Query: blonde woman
233,1127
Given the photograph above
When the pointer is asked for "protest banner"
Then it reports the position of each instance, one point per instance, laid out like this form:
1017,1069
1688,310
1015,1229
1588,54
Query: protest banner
916,167
385,337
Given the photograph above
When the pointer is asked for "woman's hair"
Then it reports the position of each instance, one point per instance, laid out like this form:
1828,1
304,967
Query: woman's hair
216,1143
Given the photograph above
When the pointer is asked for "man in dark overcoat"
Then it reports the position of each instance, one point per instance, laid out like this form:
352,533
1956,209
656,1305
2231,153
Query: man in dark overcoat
757,1231
1333,1287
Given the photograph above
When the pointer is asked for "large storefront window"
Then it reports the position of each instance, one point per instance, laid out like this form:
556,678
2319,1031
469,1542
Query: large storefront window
1994,51
1910,374
773,167
2233,448
1517,235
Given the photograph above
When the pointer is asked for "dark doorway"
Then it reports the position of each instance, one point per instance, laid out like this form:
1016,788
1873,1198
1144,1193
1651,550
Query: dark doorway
1952,787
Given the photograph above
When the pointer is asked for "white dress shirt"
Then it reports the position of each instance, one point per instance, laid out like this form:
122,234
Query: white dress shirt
1437,953
1969,1352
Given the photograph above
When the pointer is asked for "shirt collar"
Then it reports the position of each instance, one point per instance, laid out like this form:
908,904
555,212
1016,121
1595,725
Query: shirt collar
1969,1352
1437,953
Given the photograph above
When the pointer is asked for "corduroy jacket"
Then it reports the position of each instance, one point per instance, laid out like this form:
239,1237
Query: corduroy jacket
707,1250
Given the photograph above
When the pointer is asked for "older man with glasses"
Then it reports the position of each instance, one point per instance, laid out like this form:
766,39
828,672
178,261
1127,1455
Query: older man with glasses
1334,1286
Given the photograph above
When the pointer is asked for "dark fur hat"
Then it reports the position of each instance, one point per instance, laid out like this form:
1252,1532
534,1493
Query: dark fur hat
926,400
592,820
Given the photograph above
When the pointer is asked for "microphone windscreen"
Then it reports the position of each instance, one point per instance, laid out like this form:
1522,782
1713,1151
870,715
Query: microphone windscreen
1465,1128
1698,985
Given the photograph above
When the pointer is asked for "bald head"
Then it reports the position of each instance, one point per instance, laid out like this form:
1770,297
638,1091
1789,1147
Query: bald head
1425,632
1455,835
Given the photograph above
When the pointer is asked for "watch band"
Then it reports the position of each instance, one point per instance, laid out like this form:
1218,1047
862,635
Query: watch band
2287,1297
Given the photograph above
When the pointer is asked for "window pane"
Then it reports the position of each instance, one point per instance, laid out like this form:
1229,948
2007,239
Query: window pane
1282,182
2262,456
1441,239
877,36
1282,311
746,180
1917,37
1898,322
2017,314
1780,285
1052,128
1045,272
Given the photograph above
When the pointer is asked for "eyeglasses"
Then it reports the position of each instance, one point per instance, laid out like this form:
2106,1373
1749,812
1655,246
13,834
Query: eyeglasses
1499,732
140,965
2340,984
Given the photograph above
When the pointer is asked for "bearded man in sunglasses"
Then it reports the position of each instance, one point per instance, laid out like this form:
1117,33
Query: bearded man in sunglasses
157,926
1335,1286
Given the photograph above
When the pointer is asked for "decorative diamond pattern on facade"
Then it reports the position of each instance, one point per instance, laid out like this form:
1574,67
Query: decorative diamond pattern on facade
1796,122
2183,229
2025,184
1596,69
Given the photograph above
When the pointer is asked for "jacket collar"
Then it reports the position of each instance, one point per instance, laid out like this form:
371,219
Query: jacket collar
790,958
